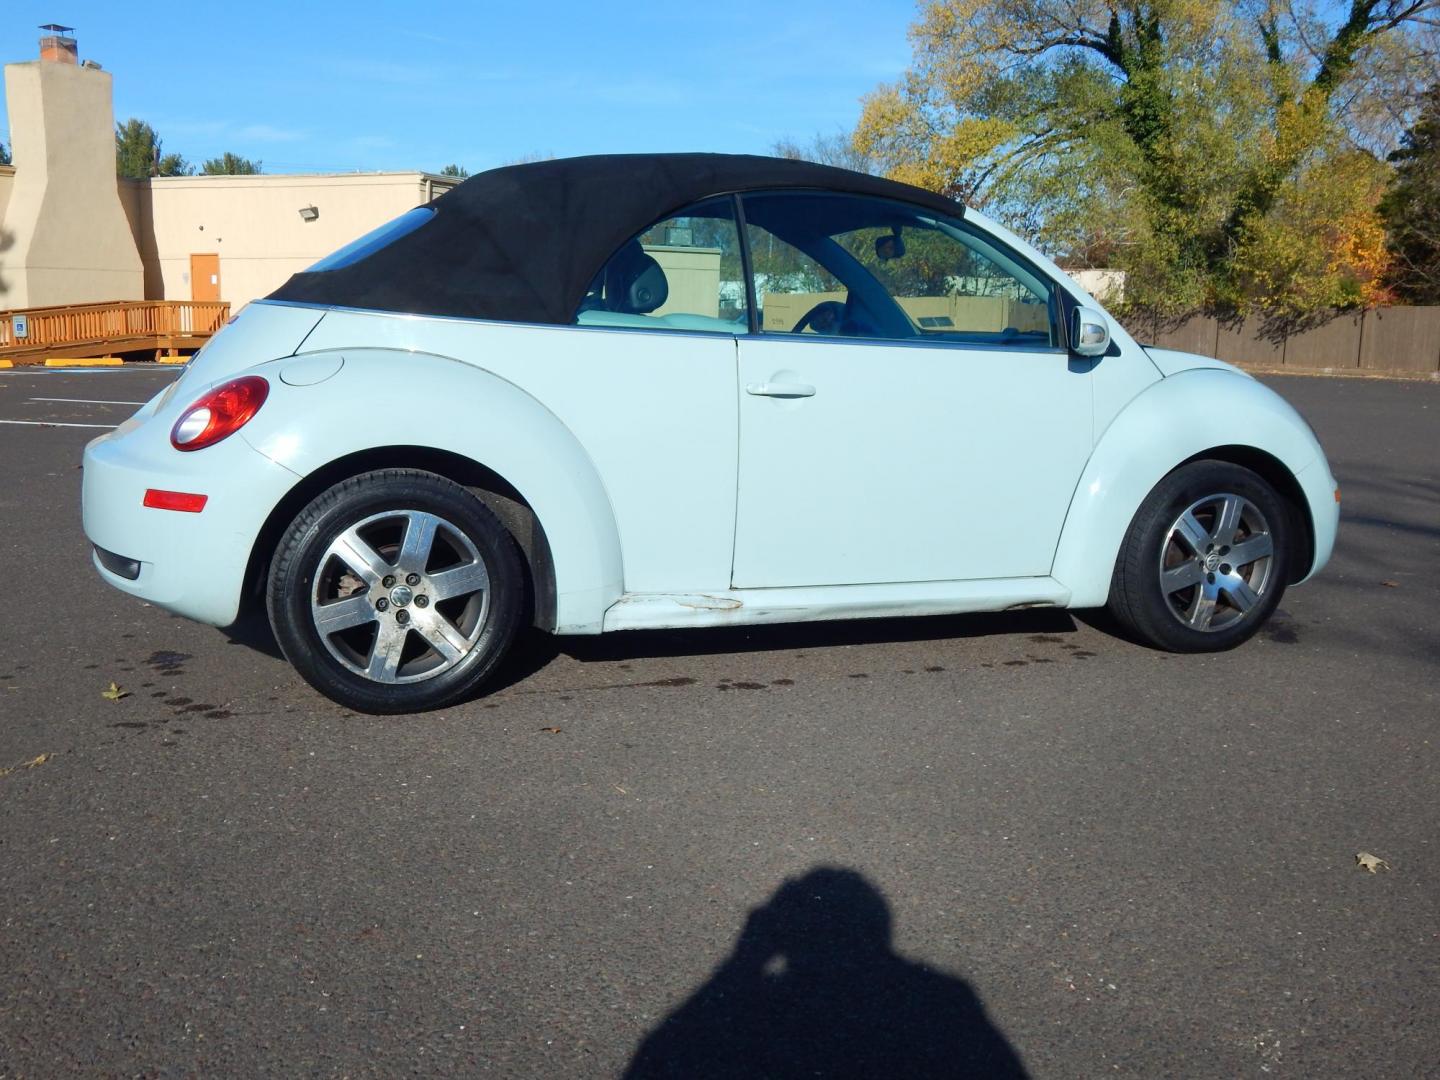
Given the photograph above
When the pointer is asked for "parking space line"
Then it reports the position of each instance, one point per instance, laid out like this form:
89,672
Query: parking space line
87,401
56,423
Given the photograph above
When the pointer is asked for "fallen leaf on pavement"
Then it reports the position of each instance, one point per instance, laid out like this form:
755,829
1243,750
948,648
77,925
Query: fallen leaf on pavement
551,730
115,693
1371,863
33,763
1391,584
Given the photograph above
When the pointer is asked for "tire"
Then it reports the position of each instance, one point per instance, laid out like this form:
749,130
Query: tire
396,591
1205,561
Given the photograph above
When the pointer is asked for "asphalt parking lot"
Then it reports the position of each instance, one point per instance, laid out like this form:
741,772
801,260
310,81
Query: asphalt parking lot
1000,844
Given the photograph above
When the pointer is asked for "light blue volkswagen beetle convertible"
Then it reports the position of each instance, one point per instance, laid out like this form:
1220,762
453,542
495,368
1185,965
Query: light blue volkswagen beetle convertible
626,392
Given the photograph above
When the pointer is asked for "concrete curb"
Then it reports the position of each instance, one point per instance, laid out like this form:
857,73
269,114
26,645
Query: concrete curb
1395,374
88,361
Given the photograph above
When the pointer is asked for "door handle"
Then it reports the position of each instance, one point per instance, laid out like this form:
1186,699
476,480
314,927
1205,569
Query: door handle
780,389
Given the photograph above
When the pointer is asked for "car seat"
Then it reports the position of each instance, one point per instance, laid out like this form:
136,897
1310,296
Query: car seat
634,282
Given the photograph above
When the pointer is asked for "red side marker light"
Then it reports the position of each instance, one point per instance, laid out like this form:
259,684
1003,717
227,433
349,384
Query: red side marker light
183,501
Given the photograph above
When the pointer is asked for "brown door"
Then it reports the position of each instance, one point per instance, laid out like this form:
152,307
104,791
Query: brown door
204,277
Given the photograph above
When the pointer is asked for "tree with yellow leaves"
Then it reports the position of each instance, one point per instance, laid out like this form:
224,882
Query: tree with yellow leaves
1197,145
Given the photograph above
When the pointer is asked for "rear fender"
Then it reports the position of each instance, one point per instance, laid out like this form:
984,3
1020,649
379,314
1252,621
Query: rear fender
461,410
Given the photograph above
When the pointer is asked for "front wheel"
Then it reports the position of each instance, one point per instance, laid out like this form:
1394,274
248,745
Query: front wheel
1205,561
395,591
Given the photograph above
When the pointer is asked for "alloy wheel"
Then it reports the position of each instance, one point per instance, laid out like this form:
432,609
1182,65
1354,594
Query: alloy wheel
400,597
1215,563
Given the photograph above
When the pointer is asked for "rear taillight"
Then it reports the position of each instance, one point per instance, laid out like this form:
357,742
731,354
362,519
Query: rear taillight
221,412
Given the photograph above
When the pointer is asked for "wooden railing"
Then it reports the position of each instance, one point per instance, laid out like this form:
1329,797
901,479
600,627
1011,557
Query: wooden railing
119,325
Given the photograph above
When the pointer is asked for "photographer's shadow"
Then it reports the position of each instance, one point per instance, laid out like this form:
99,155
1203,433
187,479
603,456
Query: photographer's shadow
814,990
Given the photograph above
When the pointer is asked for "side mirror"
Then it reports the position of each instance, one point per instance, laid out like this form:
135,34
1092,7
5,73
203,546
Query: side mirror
1089,332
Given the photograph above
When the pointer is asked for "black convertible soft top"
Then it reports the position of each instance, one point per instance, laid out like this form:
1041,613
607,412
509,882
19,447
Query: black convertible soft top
522,243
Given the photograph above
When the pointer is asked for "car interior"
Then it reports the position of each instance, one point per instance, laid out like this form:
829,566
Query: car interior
841,266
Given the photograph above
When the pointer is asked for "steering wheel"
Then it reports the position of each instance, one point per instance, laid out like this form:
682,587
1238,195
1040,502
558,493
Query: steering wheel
827,311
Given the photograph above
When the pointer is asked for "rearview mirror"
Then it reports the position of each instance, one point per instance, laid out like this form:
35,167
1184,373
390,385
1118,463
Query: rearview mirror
1089,332
890,247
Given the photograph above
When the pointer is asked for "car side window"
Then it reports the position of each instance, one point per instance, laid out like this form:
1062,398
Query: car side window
682,273
850,266
793,292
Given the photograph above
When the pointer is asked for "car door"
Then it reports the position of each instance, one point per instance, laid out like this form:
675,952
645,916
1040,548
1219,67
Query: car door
908,412
647,384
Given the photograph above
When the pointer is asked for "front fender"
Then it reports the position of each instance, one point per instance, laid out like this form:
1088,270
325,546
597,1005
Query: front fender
1170,422
371,402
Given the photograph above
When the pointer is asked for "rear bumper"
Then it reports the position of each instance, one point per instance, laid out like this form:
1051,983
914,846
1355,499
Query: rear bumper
191,564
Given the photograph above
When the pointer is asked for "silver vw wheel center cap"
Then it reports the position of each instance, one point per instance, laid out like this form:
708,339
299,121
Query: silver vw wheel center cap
1212,561
401,595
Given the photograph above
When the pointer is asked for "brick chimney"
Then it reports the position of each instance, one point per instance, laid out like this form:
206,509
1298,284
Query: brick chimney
58,45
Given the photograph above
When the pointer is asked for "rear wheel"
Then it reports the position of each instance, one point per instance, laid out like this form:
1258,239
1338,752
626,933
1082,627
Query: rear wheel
395,591
1205,561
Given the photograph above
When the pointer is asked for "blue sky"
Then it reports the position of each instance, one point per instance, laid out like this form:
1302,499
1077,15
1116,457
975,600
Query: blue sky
334,86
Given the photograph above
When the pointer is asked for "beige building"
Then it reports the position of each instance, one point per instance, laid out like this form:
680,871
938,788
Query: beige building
236,238
693,274
71,233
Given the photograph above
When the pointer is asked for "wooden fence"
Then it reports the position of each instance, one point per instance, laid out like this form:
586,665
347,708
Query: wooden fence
1395,340
77,330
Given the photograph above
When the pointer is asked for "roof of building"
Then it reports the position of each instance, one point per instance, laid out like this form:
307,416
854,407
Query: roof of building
354,175
522,243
